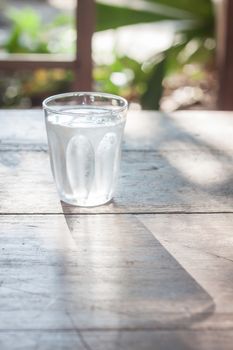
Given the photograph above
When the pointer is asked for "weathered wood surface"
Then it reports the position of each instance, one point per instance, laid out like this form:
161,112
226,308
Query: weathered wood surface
91,277
203,245
183,130
93,272
149,182
176,163
116,340
224,12
149,275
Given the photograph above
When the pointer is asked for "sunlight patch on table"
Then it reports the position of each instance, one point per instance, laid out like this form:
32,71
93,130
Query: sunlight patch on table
200,167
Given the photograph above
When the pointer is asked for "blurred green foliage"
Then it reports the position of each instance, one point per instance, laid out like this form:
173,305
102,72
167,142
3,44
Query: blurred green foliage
193,43
30,35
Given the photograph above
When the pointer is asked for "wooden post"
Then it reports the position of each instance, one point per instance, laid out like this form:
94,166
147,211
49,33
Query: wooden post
225,54
85,24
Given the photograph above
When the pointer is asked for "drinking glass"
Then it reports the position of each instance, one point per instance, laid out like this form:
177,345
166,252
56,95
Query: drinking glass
84,131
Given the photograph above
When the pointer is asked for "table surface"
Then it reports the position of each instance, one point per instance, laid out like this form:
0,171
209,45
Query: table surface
151,270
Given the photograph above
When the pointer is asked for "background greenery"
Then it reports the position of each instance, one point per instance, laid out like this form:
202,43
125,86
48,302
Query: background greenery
193,44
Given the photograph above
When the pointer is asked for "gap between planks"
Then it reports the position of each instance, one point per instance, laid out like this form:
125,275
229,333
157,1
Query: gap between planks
123,213
115,329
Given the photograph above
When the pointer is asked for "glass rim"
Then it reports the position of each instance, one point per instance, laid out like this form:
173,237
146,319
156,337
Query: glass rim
80,93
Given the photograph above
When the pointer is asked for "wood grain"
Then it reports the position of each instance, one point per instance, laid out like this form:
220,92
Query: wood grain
92,272
22,129
116,340
203,245
103,280
183,130
85,28
26,183
15,62
149,182
224,53
160,279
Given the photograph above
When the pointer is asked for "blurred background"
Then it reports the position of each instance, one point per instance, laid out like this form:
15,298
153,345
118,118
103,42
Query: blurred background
159,54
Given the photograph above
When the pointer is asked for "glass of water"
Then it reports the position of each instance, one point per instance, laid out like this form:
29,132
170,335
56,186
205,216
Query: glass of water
84,132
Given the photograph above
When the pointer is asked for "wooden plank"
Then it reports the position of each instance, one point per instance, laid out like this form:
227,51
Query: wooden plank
14,62
173,181
22,129
203,245
179,130
43,340
160,340
81,65
112,340
189,130
92,272
188,168
64,284
225,53
26,183
85,27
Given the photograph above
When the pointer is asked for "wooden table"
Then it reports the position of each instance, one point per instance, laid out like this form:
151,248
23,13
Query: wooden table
152,270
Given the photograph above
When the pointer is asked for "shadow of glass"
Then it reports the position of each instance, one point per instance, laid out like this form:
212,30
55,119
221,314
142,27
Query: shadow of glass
120,277
159,340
